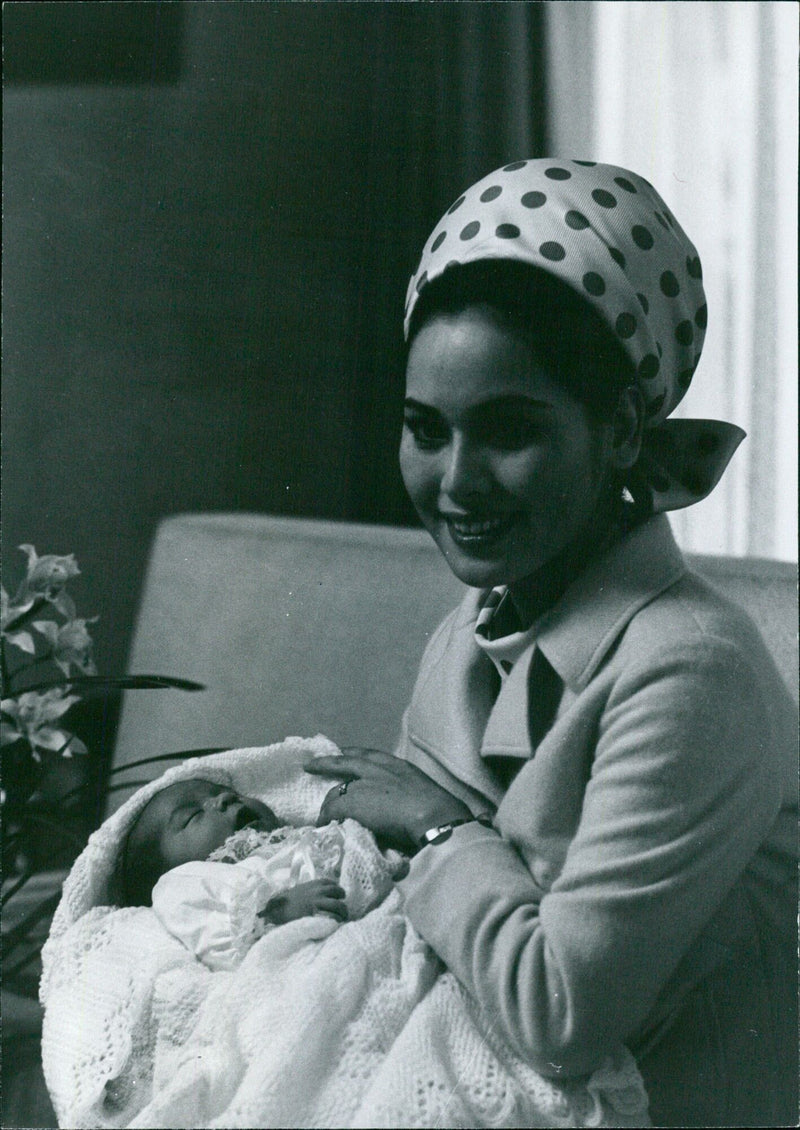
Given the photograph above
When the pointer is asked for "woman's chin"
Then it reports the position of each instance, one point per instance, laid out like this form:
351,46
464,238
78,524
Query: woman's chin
479,570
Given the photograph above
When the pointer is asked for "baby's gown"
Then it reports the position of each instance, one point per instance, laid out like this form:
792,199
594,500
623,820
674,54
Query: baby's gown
213,905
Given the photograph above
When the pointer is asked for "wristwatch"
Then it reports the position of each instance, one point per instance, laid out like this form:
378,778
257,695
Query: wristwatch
443,832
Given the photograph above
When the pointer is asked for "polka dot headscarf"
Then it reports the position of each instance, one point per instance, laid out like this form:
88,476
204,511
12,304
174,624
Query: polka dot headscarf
607,233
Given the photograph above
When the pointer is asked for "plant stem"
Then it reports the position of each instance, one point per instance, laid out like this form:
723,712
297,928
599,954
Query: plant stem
21,964
13,937
35,608
43,822
183,754
121,683
37,662
17,886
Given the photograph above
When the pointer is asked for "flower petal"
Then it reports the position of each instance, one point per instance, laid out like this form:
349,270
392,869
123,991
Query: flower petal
47,628
9,733
49,738
64,604
22,640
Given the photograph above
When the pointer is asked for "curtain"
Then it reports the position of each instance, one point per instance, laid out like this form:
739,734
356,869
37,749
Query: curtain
455,90
701,98
211,213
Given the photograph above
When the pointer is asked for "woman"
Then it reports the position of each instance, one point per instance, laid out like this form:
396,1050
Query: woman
622,725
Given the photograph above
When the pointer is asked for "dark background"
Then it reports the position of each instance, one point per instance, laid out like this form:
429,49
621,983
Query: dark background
211,211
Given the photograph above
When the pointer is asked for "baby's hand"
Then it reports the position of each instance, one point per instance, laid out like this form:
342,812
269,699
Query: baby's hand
320,896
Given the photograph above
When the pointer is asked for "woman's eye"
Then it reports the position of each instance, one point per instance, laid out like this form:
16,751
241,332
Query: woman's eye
427,433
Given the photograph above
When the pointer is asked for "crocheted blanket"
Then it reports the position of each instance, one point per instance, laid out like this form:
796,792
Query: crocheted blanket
322,1025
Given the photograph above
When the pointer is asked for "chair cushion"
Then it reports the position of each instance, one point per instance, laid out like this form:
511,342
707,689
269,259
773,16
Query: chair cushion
300,627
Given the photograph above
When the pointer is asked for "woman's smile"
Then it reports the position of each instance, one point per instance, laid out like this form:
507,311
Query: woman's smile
501,462
475,533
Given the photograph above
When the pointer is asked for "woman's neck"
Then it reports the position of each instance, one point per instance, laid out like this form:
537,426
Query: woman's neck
536,594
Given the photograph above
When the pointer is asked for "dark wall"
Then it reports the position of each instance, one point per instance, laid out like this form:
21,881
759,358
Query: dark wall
211,211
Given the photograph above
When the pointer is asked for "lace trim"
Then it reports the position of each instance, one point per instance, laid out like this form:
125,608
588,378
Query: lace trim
325,845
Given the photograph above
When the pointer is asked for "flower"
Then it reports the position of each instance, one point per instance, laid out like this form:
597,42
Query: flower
70,643
11,611
45,578
30,716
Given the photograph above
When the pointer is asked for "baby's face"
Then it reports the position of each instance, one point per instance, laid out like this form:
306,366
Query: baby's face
191,818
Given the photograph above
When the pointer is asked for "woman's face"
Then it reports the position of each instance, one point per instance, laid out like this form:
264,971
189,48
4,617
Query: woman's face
502,464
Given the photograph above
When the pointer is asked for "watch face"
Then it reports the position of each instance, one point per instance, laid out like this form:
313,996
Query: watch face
445,831
440,835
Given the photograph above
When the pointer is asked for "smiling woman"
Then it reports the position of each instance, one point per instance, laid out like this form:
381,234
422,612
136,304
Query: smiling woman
625,724
509,469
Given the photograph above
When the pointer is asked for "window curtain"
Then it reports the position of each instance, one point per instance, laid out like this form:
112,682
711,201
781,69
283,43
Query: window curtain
455,90
701,98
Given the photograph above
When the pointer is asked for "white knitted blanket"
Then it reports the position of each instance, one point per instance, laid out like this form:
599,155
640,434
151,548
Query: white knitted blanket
322,1025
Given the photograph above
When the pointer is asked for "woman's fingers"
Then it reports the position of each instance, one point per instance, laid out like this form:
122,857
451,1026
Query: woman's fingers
391,797
350,766
333,807
367,751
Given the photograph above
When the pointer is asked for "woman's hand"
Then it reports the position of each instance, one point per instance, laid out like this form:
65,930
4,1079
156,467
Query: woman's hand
394,799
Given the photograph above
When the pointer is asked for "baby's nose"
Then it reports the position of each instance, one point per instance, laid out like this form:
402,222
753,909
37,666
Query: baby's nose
222,800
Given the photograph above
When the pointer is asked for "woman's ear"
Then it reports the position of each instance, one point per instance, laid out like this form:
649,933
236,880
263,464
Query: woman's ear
628,424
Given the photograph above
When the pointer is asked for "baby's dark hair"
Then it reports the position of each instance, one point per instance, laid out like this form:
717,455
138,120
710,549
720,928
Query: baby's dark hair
139,866
563,330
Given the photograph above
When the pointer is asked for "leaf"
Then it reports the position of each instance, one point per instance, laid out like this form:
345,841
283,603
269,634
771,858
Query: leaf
121,682
20,611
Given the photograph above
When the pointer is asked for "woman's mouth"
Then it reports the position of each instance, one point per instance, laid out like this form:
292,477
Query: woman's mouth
473,533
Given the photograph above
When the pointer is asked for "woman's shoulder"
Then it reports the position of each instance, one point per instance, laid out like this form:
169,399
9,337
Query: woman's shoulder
691,623
459,620
692,612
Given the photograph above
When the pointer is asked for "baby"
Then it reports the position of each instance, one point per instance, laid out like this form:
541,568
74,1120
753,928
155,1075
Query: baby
220,869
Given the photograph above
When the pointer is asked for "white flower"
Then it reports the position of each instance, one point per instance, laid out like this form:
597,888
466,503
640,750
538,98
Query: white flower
11,610
45,578
32,716
70,643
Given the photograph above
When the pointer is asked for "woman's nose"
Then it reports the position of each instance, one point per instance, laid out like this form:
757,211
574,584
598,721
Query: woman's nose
466,474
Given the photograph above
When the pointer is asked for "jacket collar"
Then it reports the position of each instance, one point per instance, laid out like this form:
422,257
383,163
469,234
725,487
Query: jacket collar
574,637
577,633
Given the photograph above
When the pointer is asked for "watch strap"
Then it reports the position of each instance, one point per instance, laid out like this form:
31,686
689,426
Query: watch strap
442,832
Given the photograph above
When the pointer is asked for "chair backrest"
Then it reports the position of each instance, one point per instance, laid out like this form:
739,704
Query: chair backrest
301,626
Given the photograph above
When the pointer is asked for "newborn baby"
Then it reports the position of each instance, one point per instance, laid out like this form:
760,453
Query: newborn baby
220,869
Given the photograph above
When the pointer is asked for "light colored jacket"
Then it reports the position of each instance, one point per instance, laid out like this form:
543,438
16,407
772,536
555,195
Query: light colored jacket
638,884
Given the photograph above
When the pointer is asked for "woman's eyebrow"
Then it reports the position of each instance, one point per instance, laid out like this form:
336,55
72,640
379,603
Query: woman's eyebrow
514,401
418,406
508,401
